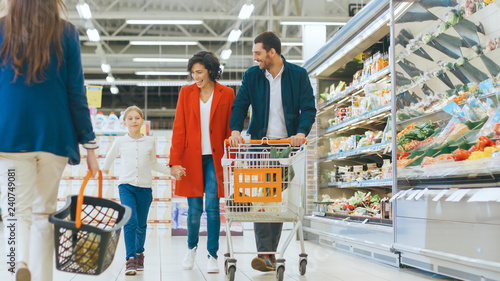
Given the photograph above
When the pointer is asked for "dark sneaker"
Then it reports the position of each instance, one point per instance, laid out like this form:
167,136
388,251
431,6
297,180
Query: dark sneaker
262,263
140,262
131,266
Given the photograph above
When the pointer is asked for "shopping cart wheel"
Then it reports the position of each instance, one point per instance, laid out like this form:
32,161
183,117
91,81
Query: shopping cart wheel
230,272
302,267
280,273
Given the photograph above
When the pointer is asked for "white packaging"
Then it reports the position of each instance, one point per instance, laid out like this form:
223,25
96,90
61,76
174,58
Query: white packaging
113,123
163,189
164,211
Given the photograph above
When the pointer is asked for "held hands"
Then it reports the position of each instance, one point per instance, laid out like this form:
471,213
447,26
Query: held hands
92,162
177,171
235,138
298,139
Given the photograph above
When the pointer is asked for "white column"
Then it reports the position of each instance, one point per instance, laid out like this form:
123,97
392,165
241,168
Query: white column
314,37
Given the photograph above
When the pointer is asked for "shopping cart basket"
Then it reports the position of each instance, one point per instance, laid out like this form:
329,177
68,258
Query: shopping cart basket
264,181
87,230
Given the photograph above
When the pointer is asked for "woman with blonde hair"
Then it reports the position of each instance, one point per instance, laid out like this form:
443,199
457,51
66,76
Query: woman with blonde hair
43,117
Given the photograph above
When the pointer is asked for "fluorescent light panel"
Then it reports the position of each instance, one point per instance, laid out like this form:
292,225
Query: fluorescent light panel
159,60
292,44
110,79
93,35
162,73
234,35
163,43
311,23
182,22
295,61
83,10
226,54
106,68
114,90
246,11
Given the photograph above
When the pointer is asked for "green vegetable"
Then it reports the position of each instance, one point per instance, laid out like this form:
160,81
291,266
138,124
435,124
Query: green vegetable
285,153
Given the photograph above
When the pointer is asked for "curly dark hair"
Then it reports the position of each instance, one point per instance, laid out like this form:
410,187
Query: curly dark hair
207,59
269,41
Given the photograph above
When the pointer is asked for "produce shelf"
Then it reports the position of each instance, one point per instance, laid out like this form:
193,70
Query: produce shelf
362,117
354,184
376,148
349,90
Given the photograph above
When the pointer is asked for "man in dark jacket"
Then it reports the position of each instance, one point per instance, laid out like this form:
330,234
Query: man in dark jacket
283,107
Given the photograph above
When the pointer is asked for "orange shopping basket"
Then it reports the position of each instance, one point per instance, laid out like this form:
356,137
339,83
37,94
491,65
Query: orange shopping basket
87,230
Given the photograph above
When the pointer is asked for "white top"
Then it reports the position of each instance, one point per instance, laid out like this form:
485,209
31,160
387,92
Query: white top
276,127
206,147
138,158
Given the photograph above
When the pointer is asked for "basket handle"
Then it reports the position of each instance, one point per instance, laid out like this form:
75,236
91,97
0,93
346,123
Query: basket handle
267,141
79,200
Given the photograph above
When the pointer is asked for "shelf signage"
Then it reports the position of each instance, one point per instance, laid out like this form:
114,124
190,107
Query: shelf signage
94,95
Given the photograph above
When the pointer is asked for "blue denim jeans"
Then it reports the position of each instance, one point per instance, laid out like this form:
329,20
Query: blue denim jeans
195,210
139,200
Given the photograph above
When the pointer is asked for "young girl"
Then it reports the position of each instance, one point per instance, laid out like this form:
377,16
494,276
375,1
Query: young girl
138,158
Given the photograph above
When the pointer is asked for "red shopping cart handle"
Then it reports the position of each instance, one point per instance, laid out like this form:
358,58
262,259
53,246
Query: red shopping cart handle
79,200
267,141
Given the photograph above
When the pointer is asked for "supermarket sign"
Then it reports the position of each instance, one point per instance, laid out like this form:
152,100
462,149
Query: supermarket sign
94,95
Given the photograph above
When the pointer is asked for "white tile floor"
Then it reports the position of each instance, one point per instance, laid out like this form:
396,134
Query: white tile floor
164,256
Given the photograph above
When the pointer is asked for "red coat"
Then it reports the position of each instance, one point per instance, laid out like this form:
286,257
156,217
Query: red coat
186,137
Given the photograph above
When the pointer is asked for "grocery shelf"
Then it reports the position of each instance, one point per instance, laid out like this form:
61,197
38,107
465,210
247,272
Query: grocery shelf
351,89
375,148
367,183
438,115
108,178
104,156
362,117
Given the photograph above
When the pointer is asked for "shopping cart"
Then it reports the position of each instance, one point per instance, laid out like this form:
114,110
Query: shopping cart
87,230
264,181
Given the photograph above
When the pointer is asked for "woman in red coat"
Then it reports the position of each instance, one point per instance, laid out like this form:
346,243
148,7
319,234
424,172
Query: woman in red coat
200,127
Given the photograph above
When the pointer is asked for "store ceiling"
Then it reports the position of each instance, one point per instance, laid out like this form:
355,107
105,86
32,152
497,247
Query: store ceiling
218,18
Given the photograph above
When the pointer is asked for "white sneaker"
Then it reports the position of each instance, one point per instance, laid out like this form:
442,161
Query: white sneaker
212,266
188,261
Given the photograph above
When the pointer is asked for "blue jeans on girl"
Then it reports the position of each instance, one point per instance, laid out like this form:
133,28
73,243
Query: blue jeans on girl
139,200
195,210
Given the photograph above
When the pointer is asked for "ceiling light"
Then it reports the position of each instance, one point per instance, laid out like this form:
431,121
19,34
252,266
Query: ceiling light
93,35
183,22
234,35
164,73
83,10
292,44
110,79
311,23
225,54
159,60
163,43
114,90
246,11
106,68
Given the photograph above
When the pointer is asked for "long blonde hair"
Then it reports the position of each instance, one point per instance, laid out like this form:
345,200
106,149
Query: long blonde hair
31,29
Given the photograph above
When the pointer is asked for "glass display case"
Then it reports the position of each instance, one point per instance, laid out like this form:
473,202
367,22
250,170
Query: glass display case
447,119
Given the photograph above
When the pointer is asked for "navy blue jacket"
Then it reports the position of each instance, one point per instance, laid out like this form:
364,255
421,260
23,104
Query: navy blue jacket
296,94
51,116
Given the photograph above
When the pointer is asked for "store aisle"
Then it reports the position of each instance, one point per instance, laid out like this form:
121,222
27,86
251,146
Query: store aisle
164,256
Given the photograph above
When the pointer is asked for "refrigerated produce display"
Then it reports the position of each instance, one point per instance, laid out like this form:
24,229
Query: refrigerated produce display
446,82
350,206
408,137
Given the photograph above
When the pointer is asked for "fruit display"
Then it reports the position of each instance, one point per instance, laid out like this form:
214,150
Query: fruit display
360,204
87,251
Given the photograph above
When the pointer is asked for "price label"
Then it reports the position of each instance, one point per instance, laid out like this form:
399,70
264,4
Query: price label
94,95
441,194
